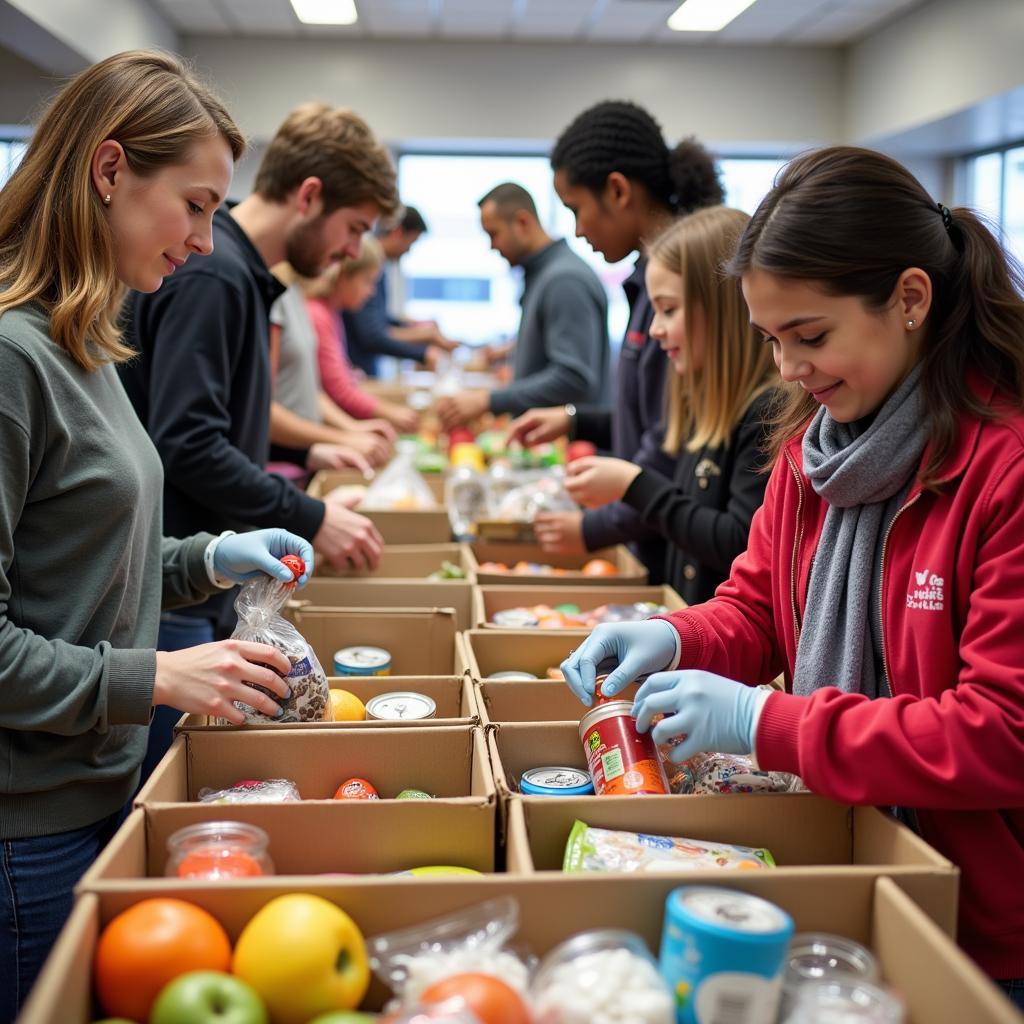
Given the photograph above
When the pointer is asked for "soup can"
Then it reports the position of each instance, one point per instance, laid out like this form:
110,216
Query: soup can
722,955
401,706
362,661
556,781
622,761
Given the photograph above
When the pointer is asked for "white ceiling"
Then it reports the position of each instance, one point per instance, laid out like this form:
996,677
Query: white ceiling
804,22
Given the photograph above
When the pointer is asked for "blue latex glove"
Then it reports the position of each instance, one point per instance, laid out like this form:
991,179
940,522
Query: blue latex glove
712,712
247,555
627,651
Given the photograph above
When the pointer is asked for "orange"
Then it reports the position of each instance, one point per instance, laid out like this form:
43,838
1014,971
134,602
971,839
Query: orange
347,707
599,567
489,998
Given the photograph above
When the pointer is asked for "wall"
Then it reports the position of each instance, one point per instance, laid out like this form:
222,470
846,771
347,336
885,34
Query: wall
23,89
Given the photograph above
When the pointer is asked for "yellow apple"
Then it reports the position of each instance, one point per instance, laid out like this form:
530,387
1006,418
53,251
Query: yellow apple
304,956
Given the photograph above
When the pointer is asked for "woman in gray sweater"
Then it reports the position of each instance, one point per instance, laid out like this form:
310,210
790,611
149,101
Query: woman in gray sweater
117,189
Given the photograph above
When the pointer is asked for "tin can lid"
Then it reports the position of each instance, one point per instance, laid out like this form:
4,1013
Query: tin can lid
401,705
362,656
511,675
602,712
729,911
556,779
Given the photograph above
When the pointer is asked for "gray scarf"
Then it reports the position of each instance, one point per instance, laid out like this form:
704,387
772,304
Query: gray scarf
861,473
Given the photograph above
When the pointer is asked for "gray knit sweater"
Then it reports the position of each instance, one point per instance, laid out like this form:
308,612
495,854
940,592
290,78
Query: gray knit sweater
84,572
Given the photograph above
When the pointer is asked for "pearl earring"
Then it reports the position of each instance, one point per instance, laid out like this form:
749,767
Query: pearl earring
911,324
106,199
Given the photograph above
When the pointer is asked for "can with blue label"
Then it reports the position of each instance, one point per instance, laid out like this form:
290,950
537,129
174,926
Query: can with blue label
556,781
362,661
722,954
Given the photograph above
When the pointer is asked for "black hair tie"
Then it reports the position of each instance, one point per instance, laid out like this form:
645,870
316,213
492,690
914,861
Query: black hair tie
947,217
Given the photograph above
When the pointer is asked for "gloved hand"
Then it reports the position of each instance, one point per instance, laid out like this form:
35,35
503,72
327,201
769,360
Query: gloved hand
712,712
625,650
245,556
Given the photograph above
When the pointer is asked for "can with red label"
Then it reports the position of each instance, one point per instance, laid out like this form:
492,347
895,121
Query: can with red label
622,761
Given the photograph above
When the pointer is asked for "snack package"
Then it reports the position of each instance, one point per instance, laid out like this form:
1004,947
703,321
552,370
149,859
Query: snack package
258,604
601,849
398,487
253,791
728,773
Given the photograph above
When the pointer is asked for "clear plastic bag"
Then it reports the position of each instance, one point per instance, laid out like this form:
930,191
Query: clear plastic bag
471,940
398,486
258,604
253,791
541,491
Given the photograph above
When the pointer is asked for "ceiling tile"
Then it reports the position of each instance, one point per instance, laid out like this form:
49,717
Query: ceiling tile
261,16
193,15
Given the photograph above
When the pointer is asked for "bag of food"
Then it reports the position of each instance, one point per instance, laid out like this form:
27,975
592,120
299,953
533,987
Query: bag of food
728,773
258,604
398,487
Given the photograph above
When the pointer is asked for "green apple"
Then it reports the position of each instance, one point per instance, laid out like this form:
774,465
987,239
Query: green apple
208,997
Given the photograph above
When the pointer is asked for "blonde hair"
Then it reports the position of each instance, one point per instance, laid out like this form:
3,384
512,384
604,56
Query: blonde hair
56,247
705,405
336,146
371,257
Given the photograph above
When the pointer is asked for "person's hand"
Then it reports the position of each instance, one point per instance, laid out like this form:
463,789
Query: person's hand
560,533
538,426
205,680
443,343
335,456
347,539
374,448
710,712
594,481
378,425
458,410
432,356
402,418
245,556
627,651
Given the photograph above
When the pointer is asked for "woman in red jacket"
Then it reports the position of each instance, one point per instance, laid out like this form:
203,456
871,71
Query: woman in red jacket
885,570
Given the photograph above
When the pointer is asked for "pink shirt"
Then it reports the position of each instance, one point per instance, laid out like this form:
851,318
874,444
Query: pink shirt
336,374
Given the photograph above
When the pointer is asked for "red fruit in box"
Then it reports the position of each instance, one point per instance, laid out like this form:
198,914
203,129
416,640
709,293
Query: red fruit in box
355,789
460,435
579,450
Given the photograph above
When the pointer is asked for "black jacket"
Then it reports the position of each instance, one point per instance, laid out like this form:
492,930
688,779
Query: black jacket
705,509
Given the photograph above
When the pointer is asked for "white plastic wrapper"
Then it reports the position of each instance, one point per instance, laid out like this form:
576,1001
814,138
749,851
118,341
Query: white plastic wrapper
253,791
398,486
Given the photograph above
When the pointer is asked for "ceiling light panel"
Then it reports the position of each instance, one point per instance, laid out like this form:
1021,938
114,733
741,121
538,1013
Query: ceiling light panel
325,12
706,15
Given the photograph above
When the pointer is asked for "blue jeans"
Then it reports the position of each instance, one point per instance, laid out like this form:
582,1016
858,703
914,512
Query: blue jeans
1014,988
36,879
177,632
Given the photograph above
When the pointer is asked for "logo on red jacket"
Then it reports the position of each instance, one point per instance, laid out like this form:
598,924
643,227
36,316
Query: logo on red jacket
636,338
926,593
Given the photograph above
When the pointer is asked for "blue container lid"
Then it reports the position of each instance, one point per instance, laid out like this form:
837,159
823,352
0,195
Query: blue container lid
729,913
556,781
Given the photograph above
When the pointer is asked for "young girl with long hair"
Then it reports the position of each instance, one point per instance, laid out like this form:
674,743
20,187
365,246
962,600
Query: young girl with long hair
717,404
884,571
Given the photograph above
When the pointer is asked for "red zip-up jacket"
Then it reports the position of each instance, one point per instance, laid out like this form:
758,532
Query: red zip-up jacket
949,742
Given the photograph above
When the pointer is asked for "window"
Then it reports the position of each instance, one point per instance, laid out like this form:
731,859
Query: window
11,152
993,184
451,275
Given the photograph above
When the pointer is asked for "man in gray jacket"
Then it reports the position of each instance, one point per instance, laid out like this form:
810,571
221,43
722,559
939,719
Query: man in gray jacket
561,352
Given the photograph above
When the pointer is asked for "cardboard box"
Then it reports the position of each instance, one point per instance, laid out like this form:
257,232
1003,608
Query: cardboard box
375,593
802,831
541,700
427,526
421,641
446,761
486,651
454,696
348,836
490,599
412,562
938,983
326,480
631,572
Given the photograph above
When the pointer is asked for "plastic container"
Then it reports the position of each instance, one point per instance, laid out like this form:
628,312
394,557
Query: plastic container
845,1001
606,973
216,850
819,956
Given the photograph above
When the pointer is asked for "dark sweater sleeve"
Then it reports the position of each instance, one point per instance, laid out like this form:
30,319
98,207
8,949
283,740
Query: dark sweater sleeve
196,340
712,536
573,332
370,331
592,423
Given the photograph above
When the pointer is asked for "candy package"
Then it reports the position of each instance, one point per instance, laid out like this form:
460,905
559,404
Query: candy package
600,849
253,791
728,773
258,604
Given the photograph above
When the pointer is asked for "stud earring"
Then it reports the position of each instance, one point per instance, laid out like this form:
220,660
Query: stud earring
911,324
106,199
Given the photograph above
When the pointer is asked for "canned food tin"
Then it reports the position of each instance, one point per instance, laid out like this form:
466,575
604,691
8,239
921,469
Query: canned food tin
400,706
556,781
622,761
514,618
511,675
362,661
722,954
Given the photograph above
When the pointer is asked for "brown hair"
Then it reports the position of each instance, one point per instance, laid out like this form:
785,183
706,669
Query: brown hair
336,146
852,220
371,255
56,246
705,406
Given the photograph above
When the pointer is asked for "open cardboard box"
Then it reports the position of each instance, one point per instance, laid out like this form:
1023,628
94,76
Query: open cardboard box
486,651
454,696
339,593
346,836
446,761
631,572
421,641
803,832
528,700
326,480
426,526
937,982
412,562
490,599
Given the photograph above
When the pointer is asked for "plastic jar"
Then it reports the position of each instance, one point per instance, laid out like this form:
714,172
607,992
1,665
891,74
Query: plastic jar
844,1001
819,956
219,849
607,974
